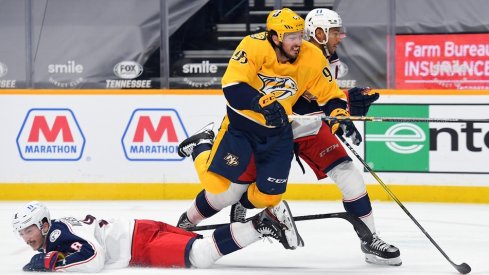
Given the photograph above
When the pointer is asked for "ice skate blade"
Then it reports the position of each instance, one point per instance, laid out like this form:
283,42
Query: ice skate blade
373,259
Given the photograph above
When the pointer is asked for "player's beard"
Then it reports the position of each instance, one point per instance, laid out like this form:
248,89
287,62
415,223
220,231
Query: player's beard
281,49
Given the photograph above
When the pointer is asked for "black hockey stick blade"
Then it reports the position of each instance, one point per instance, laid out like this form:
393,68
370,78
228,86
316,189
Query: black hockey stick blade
360,228
462,268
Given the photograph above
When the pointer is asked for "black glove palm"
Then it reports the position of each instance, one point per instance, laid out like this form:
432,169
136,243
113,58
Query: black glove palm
273,111
359,100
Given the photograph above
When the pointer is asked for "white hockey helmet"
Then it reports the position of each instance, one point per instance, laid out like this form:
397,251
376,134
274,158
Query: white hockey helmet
32,213
321,18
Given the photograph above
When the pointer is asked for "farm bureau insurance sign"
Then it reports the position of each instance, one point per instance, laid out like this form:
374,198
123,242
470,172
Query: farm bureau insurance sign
441,61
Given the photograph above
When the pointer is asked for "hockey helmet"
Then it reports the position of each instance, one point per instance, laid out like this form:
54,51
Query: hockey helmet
321,18
284,21
32,213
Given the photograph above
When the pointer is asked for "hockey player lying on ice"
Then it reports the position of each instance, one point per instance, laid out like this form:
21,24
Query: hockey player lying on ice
90,245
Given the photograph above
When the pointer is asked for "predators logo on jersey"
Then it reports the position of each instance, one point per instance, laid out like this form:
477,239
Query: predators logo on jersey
231,160
282,87
259,36
240,56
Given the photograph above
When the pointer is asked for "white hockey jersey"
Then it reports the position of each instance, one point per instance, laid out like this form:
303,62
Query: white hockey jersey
90,245
306,105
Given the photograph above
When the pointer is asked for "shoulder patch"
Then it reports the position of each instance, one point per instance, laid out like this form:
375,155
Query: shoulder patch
259,36
54,235
240,56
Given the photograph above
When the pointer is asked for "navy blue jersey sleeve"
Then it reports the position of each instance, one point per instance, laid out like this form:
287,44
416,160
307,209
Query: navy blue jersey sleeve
62,239
239,95
332,105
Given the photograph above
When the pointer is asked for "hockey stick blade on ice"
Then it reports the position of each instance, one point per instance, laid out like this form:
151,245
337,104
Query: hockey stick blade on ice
360,228
387,119
463,267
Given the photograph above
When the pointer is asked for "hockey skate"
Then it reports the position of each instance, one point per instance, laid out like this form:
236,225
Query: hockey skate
380,252
284,216
238,213
184,222
204,135
267,224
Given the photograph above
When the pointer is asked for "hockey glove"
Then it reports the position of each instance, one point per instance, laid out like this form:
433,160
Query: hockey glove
360,99
269,107
344,127
44,261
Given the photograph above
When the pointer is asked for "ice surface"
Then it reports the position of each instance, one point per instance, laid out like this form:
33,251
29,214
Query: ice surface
331,246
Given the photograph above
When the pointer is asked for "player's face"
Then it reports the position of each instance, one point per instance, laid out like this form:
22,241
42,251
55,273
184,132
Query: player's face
32,236
291,44
334,39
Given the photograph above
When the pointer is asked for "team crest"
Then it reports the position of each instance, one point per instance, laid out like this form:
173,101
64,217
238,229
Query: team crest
54,235
231,160
259,36
240,56
281,87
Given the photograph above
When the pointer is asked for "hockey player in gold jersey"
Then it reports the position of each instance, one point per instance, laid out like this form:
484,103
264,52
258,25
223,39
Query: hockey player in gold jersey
266,75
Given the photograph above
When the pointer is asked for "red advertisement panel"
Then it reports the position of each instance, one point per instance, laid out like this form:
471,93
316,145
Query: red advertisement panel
442,61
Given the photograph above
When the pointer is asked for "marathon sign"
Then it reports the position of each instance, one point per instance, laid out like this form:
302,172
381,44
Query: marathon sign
50,134
153,135
442,61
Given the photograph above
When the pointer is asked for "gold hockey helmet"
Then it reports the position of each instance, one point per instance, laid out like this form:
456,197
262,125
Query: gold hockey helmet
284,21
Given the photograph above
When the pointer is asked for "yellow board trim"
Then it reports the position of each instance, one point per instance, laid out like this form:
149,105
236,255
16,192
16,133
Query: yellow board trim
117,92
182,191
427,92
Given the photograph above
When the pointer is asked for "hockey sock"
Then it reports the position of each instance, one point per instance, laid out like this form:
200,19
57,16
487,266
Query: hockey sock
233,237
201,209
246,202
361,208
224,240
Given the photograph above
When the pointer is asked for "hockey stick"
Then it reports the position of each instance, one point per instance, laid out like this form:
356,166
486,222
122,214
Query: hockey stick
386,119
462,268
362,230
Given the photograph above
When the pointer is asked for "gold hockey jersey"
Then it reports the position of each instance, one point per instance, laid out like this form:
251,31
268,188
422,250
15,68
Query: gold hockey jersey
255,62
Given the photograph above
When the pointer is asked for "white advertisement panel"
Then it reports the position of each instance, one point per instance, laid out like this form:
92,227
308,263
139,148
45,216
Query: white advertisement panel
459,147
101,138
132,139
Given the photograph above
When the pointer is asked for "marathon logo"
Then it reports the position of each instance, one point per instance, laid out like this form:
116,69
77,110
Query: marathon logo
50,134
153,135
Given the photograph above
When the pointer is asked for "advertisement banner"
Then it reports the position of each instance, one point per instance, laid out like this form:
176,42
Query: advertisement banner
428,147
442,61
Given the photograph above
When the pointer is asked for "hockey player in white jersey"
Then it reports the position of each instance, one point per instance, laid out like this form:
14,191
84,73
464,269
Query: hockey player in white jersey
90,245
